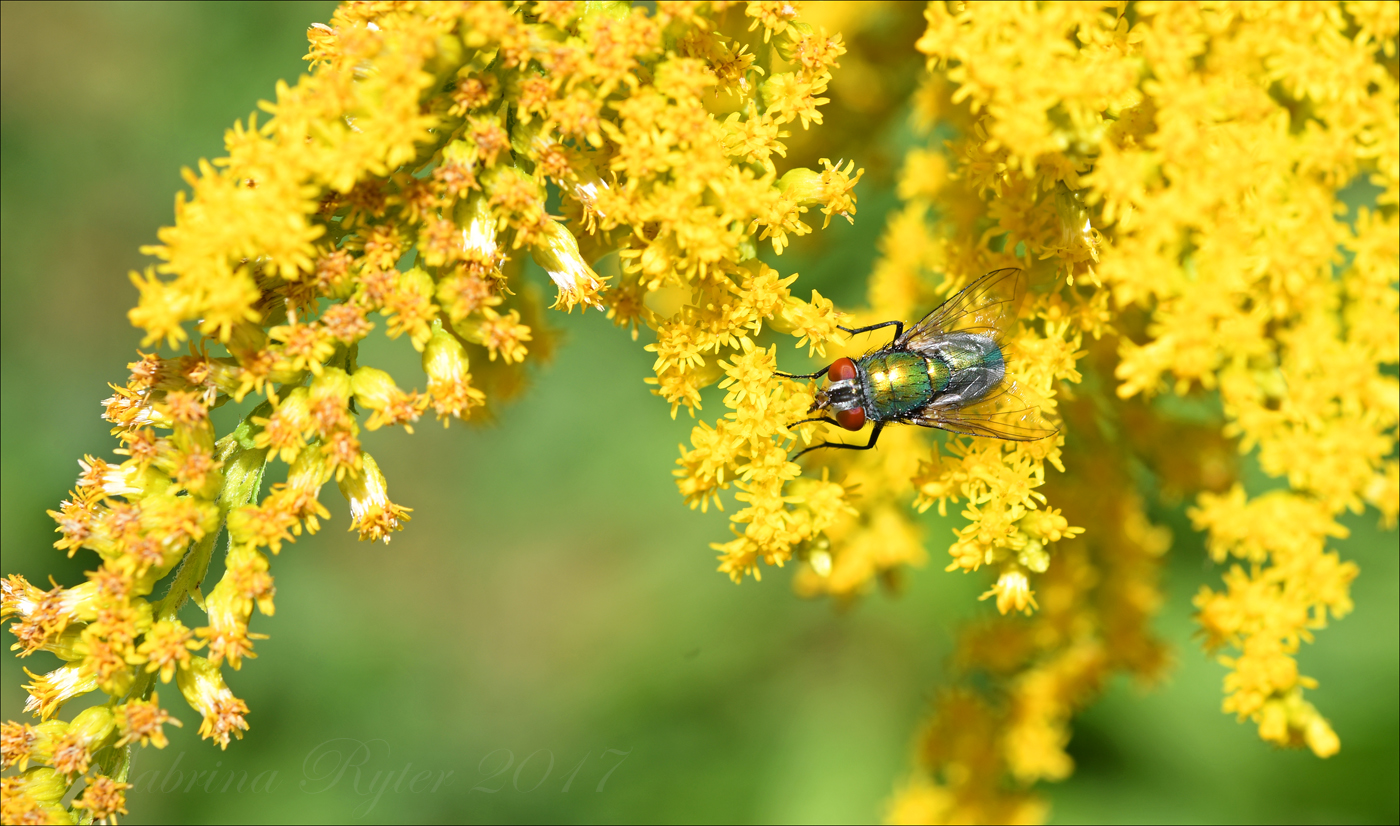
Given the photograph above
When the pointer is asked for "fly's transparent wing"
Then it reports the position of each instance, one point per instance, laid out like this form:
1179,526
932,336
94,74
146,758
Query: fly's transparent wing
1003,415
987,306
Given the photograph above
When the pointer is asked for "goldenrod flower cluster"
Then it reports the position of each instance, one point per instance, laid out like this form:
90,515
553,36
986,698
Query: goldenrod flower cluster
1167,174
401,183
1170,175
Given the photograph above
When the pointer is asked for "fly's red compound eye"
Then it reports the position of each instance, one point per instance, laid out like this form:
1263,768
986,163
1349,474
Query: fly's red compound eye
842,369
853,419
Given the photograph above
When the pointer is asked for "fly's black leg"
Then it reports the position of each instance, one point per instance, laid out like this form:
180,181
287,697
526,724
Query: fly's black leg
816,375
898,328
826,419
874,437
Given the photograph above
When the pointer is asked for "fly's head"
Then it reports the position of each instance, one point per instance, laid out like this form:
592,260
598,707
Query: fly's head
842,397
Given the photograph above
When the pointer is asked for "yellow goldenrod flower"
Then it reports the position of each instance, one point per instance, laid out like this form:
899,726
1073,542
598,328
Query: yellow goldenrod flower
203,687
557,251
376,391
375,517
1111,169
1013,592
449,384
48,693
20,743
104,799
143,720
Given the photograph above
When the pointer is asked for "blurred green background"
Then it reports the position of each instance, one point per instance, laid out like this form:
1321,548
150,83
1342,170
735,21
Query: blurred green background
553,611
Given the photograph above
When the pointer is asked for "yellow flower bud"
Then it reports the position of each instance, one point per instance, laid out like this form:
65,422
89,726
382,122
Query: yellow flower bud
82,602
44,785
444,359
802,185
64,645
203,687
372,387
245,337
309,471
1034,557
449,383
293,407
1077,234
332,384
478,231
93,726
557,252
787,45
587,186
831,188
376,391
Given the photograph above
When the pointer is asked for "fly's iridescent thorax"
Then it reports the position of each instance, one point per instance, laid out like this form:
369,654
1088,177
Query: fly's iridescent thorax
896,383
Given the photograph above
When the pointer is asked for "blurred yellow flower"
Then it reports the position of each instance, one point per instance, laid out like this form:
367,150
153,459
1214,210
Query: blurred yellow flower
407,176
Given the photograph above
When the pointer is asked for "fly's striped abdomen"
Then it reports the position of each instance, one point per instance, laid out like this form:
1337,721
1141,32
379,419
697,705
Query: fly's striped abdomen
898,383
975,364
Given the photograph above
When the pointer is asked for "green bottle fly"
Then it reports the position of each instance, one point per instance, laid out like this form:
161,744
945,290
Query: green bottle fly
947,371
